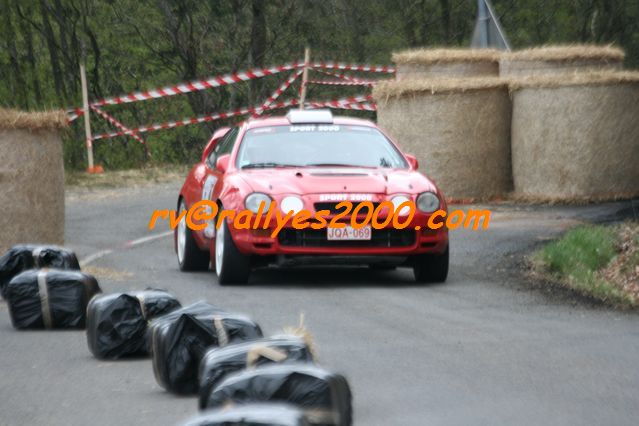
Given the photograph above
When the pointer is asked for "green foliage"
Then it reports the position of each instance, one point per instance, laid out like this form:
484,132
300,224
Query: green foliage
131,45
577,259
581,252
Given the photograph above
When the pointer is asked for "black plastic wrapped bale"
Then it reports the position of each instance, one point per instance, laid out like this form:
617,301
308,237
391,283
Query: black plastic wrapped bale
117,323
251,415
180,339
220,362
325,397
26,256
50,298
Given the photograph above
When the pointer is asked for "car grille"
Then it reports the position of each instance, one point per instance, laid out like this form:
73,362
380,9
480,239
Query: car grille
317,238
332,207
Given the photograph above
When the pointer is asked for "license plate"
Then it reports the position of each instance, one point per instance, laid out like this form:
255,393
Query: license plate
349,233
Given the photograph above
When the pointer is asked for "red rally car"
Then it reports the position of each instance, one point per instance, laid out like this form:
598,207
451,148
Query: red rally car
309,160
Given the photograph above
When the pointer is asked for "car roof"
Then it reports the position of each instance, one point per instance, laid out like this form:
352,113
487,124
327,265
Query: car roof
281,120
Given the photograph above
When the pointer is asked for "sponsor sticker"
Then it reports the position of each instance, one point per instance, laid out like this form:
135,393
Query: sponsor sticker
207,192
346,197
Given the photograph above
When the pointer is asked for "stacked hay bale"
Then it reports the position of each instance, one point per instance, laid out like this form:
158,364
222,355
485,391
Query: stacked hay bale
31,178
458,128
449,108
446,63
560,59
576,136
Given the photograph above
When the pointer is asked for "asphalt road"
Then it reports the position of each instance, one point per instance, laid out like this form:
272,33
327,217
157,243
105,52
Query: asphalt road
482,349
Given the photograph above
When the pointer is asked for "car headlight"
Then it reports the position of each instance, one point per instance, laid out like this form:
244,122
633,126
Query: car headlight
427,202
397,201
253,201
292,203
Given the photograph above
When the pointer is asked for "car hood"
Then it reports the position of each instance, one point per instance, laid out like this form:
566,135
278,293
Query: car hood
336,180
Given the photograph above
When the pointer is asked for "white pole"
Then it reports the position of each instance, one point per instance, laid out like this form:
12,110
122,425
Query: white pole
307,62
87,120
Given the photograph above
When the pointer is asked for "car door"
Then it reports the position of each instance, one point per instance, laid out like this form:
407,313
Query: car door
214,178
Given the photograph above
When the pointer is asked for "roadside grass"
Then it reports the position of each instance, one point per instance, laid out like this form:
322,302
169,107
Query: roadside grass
598,261
126,178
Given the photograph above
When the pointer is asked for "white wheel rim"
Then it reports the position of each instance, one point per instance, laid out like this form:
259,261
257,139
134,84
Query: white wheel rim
219,249
181,237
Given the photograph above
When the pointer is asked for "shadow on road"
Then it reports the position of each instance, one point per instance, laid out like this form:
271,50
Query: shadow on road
331,277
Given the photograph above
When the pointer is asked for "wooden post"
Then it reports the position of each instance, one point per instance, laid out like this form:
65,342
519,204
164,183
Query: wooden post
87,119
307,62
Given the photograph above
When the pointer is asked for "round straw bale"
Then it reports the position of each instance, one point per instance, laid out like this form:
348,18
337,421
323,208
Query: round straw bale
446,63
459,129
31,178
576,137
560,59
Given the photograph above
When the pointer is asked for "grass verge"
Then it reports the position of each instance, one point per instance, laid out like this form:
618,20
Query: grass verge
597,261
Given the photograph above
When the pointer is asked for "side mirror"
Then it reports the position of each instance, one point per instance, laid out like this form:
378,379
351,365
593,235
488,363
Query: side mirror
217,136
222,162
412,160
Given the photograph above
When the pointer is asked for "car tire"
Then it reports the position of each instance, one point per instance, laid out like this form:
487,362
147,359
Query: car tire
431,268
231,266
189,255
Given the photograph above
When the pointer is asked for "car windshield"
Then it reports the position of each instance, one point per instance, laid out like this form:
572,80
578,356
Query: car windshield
309,145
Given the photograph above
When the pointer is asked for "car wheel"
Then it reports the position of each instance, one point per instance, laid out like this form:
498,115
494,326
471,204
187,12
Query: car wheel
189,255
431,268
231,266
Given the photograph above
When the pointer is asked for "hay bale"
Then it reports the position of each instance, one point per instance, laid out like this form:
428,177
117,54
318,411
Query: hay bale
41,120
446,63
576,137
31,178
459,129
560,59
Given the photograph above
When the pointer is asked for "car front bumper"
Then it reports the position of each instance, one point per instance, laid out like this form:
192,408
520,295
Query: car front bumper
384,242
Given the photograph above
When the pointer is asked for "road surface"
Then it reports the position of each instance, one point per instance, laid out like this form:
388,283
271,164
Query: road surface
483,349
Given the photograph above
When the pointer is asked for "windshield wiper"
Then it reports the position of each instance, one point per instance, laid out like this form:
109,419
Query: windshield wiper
266,165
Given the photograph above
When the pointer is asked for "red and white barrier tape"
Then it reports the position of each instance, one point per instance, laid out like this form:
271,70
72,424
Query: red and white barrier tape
342,82
74,113
354,102
200,119
343,103
276,94
353,67
365,106
117,124
337,75
198,85
228,79
344,79
348,100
